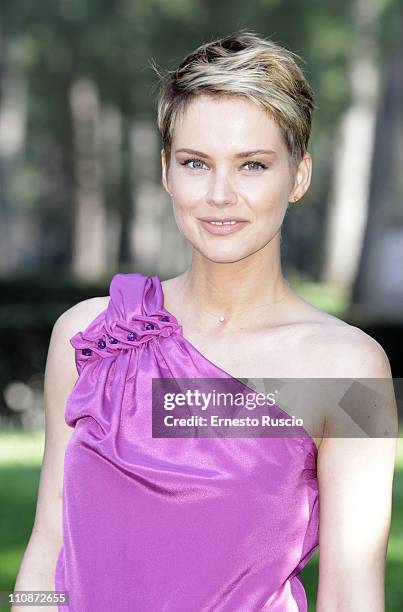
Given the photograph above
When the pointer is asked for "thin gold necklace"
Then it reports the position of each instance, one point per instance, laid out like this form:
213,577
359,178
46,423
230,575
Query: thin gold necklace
222,318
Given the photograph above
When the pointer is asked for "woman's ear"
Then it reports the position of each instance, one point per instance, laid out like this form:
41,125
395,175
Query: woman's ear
302,178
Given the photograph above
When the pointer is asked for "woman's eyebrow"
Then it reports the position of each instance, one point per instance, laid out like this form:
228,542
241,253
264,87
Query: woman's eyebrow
242,154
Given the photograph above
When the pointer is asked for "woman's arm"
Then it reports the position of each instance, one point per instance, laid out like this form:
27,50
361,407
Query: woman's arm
37,568
355,500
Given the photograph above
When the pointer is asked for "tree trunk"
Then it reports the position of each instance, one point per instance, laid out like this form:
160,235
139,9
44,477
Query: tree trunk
354,149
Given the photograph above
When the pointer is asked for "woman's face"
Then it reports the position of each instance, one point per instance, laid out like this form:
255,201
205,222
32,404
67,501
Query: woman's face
217,172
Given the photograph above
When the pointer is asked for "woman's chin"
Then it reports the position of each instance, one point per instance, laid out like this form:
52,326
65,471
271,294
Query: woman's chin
222,255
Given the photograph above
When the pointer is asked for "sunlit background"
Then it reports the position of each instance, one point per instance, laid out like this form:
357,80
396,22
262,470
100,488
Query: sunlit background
81,195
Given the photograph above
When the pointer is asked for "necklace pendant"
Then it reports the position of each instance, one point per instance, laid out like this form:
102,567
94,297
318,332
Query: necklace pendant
221,318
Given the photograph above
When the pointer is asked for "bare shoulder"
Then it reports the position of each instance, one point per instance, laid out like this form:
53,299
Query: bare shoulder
60,370
80,315
354,353
74,319
363,393
339,349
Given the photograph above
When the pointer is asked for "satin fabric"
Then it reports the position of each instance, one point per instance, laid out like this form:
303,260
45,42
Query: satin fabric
180,524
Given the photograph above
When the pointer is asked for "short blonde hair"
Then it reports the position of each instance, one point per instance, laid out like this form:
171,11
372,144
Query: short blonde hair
246,65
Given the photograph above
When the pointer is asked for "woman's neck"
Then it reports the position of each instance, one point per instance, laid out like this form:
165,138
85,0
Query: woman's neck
229,297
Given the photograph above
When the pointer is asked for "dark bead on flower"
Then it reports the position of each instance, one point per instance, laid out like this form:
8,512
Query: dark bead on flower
131,336
112,340
149,326
86,351
101,344
165,318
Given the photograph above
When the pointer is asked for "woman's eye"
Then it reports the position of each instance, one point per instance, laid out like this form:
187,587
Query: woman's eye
255,165
198,163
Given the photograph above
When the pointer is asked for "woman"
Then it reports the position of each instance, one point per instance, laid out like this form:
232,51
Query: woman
212,524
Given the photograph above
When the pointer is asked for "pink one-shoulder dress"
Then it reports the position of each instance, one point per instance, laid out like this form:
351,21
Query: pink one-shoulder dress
153,524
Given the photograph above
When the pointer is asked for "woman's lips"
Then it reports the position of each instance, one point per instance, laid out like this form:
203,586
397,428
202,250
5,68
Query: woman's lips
225,228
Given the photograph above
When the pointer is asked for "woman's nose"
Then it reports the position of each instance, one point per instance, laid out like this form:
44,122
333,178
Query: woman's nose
221,190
